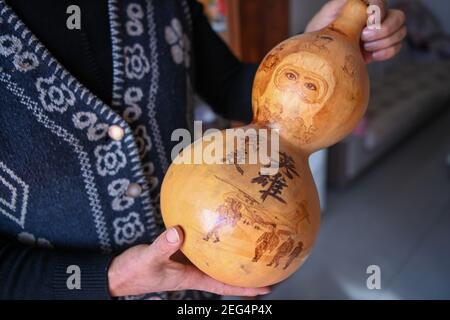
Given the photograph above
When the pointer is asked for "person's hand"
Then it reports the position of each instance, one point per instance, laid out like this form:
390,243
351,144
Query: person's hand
149,268
378,44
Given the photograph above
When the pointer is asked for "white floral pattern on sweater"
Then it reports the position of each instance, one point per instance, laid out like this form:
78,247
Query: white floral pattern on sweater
128,229
136,63
179,42
110,159
54,97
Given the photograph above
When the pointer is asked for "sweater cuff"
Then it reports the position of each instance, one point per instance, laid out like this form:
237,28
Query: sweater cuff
81,276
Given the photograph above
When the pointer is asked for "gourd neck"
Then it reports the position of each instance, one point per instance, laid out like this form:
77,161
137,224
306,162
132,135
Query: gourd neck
351,20
287,136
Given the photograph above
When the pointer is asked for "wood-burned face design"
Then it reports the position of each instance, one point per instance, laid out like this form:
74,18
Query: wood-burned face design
311,88
302,83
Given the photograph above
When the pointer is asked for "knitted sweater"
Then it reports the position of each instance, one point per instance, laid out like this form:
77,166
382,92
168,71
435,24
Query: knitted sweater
64,182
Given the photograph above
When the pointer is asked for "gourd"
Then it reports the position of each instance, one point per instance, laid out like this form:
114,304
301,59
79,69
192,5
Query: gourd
250,229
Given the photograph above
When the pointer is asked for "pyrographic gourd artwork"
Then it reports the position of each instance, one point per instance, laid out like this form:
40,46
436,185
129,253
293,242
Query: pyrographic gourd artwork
248,229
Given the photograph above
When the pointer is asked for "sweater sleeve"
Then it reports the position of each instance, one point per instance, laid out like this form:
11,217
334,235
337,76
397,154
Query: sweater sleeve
34,273
220,78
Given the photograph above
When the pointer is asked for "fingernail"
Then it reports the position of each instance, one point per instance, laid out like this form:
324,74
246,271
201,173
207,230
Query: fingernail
172,235
367,34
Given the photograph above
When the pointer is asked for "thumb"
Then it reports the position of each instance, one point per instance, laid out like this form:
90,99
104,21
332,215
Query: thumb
167,244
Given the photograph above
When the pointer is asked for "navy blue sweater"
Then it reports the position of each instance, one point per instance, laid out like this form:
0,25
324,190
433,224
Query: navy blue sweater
51,226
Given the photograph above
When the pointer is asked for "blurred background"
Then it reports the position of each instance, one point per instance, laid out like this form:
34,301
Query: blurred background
385,190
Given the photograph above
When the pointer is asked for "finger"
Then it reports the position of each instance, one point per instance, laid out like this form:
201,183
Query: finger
197,280
381,4
386,42
394,21
386,54
166,244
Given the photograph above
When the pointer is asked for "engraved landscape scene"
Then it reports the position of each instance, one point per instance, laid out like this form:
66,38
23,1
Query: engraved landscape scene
239,207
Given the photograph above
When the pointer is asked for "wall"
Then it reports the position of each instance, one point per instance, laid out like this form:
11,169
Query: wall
441,8
301,11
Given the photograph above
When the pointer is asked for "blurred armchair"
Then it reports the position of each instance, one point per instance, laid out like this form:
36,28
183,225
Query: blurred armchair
405,93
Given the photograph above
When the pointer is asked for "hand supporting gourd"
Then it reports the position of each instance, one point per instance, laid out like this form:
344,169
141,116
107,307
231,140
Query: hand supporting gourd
152,268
